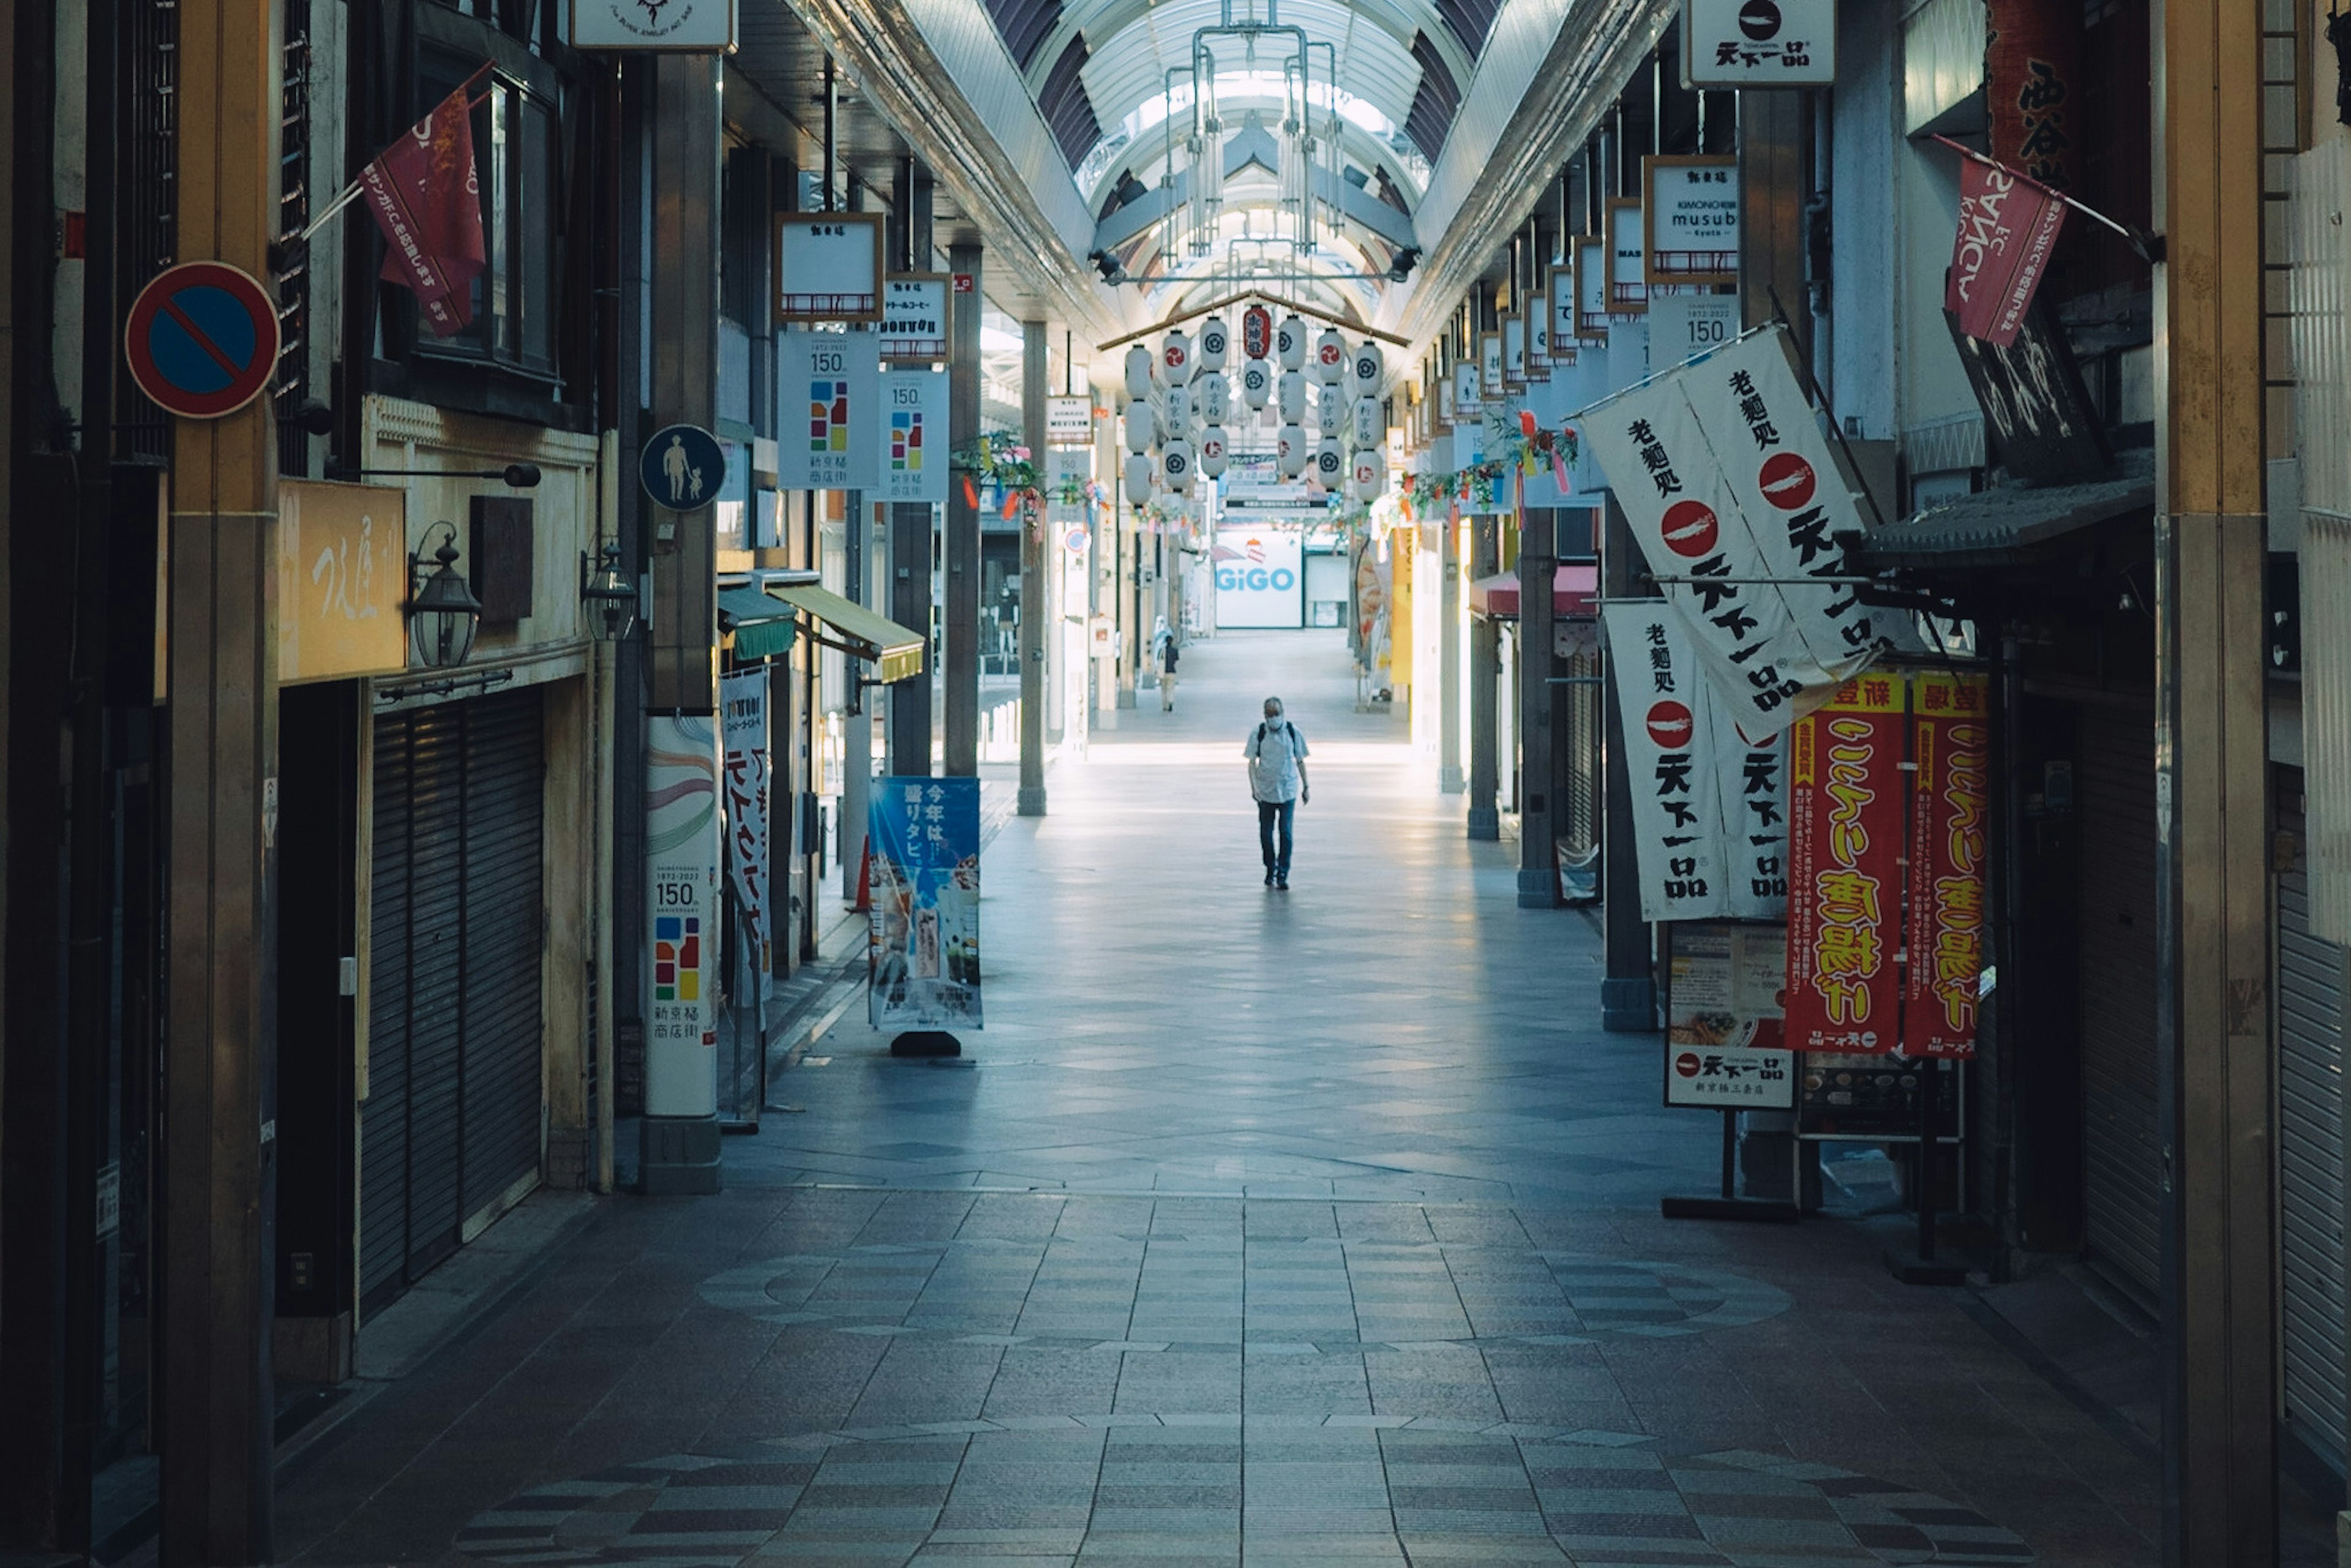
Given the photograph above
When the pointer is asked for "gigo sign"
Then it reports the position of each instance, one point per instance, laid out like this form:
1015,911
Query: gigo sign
1259,578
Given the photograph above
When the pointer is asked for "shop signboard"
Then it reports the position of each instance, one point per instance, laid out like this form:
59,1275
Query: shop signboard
702,27
1562,335
913,461
923,939
1592,288
1725,1045
1758,42
1514,352
342,559
1068,421
835,379
1845,812
1684,325
1260,576
1629,258
1710,807
681,915
1735,503
1951,745
915,318
743,734
1691,210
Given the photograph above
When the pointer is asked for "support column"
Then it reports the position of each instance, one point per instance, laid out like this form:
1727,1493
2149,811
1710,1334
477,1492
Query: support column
1628,993
679,1138
1773,126
1485,682
1448,657
1538,756
2214,1059
1033,369
219,1182
858,536
1130,587
908,594
962,608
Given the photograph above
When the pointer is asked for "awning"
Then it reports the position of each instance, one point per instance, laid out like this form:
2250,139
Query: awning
1573,591
857,630
762,628
2001,527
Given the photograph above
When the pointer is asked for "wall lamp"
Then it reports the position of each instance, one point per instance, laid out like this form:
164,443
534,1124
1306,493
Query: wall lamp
442,613
609,599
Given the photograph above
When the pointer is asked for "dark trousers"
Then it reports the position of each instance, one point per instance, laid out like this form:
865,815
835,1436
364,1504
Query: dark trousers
1269,813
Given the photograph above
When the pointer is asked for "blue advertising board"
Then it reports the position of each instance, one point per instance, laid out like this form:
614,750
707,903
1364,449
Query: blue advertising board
923,945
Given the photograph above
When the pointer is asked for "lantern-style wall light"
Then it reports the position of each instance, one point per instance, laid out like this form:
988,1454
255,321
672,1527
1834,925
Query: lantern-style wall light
607,599
442,613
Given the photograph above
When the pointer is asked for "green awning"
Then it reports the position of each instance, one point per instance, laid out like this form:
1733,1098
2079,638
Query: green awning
856,630
763,629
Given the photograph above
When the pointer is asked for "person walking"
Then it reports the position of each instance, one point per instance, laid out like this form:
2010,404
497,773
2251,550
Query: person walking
1277,771
1164,655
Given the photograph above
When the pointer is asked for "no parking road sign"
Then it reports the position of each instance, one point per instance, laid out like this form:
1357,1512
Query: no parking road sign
203,339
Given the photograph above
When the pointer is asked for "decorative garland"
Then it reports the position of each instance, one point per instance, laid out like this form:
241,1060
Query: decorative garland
1525,450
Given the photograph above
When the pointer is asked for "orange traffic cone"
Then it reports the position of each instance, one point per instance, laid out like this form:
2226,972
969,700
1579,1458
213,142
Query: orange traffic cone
865,881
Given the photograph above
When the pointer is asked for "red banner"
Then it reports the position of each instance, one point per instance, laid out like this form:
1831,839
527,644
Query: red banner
1949,804
2008,226
423,190
1845,812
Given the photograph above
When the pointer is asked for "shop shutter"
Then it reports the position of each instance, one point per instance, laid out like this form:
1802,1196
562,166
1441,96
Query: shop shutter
503,944
2310,1018
2114,806
451,1121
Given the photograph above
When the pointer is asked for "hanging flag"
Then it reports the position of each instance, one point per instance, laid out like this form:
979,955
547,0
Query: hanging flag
1952,745
424,193
2008,227
1844,879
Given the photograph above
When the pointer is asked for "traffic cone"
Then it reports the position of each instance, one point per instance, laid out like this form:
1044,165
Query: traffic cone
865,880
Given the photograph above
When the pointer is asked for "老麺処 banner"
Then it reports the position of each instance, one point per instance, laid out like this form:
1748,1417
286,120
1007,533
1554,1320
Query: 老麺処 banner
1949,800
1845,819
923,945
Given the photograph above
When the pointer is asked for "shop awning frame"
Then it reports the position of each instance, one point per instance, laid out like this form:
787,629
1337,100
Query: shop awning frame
762,628
1575,592
894,651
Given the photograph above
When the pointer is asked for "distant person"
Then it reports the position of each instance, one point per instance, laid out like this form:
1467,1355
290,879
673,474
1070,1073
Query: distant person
1277,770
1164,655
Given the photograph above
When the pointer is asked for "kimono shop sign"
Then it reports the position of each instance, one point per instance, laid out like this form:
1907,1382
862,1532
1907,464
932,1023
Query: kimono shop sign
839,377
923,945
743,728
1846,813
1710,807
1950,742
1725,1044
1736,503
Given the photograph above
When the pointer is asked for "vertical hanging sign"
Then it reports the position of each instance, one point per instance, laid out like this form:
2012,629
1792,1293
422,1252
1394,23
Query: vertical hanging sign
1952,745
912,461
833,376
1846,810
743,727
681,915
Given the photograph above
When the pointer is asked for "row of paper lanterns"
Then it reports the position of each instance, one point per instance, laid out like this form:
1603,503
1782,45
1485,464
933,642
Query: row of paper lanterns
1186,378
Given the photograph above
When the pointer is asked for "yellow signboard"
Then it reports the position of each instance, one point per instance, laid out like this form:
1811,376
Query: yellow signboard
342,574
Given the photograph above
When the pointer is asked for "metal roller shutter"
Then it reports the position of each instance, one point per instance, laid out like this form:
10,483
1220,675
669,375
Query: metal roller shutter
2114,802
451,1121
2310,1018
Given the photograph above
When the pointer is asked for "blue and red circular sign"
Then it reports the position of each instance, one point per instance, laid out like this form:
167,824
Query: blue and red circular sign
203,339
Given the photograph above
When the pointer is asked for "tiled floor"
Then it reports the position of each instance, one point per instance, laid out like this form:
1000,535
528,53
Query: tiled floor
1313,1226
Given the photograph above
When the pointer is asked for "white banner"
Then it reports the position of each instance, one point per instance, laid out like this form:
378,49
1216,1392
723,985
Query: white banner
681,917
828,383
1729,488
1710,807
912,415
743,730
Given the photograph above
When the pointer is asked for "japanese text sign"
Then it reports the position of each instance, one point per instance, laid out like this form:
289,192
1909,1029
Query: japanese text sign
1691,207
342,558
1949,801
1725,1045
834,378
923,945
915,317
1846,810
2008,229
1758,42
827,266
681,915
743,728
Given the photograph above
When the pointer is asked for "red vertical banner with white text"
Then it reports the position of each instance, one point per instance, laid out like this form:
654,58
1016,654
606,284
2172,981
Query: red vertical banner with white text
1952,745
1845,820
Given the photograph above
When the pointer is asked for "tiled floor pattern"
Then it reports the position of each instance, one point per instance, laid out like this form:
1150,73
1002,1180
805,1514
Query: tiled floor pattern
1306,1228
1159,1292
1209,1487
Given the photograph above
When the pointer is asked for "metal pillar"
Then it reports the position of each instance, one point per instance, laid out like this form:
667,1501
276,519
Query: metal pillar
679,1138
962,609
219,1194
1773,125
858,537
1448,657
1485,683
908,595
1031,803
2214,1065
1130,592
1628,993
1538,756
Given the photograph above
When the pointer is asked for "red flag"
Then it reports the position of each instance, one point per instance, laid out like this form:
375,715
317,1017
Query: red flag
2008,226
1845,870
1950,795
423,192
970,494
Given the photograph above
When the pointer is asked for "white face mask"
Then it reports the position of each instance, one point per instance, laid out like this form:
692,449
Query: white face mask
1272,719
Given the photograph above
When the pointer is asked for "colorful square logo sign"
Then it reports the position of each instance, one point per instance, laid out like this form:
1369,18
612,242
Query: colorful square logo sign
677,958
828,416
906,442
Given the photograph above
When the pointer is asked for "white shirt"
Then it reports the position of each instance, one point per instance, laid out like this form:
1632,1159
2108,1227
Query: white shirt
1273,750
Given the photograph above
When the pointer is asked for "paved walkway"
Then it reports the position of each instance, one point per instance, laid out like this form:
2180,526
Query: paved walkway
1314,1227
